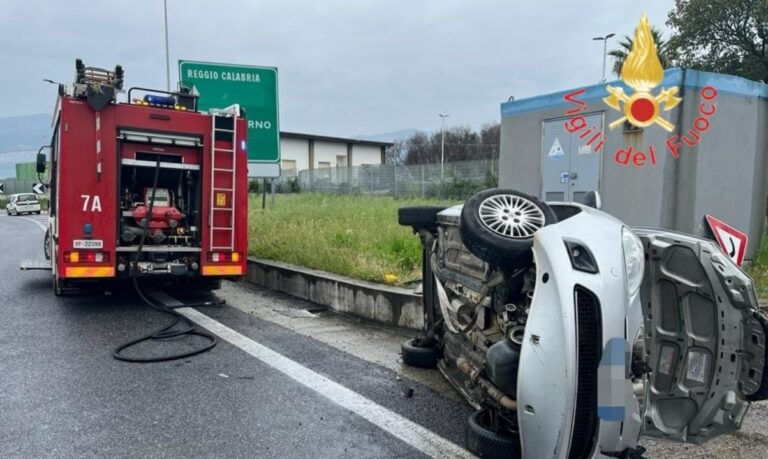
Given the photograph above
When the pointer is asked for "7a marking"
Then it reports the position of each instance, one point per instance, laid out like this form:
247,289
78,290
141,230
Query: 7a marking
94,201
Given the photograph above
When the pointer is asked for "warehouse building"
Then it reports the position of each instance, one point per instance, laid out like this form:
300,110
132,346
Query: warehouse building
313,152
706,154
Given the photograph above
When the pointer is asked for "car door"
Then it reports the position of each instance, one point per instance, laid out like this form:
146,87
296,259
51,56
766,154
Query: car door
704,344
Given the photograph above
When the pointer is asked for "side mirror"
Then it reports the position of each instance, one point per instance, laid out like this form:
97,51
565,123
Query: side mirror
41,163
592,199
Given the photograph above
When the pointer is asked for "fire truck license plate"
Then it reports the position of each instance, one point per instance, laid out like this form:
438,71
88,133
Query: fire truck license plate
88,244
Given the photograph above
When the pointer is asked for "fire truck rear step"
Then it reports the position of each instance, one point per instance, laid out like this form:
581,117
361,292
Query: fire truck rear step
33,265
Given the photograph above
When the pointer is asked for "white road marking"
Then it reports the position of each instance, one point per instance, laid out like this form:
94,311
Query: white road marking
36,222
411,433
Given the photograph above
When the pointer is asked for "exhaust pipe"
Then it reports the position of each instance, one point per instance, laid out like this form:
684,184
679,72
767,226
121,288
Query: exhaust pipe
474,375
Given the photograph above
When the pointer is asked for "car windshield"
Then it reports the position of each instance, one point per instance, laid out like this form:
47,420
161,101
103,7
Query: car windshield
162,197
27,198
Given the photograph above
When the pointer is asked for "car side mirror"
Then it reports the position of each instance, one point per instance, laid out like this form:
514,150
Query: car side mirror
41,163
593,199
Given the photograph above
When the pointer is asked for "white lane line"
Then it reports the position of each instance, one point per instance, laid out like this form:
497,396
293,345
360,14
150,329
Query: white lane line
36,222
411,433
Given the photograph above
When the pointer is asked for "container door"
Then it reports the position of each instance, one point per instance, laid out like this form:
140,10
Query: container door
555,167
570,168
584,162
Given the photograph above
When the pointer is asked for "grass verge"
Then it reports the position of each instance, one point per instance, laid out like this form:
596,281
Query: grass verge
355,236
358,236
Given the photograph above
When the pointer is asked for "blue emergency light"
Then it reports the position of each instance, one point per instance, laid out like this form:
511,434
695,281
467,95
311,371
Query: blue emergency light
166,101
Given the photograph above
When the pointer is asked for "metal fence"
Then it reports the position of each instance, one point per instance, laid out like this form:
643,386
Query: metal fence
450,180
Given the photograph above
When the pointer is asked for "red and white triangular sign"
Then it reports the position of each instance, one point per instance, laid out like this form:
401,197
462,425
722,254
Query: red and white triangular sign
732,241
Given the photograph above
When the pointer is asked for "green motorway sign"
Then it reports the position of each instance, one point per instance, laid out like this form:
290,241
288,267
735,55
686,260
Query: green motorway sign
255,89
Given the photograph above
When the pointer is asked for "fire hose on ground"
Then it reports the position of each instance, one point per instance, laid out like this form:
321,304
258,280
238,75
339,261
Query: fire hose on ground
169,331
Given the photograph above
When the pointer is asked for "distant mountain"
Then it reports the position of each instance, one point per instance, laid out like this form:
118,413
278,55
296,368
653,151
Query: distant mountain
388,136
21,133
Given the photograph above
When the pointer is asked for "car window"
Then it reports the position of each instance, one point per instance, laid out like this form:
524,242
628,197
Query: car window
28,198
13,198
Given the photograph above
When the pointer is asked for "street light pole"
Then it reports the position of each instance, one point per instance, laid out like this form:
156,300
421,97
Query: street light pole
605,50
442,146
167,55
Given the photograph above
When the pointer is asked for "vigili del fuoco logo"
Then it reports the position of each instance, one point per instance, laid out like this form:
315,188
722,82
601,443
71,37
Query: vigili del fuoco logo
642,107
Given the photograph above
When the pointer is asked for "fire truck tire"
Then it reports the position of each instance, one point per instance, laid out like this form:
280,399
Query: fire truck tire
47,244
62,287
58,289
210,284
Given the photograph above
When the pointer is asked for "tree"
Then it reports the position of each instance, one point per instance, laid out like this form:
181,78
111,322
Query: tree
461,144
397,152
625,46
490,137
726,36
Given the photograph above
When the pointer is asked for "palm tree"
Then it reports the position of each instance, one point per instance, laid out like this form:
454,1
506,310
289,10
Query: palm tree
625,46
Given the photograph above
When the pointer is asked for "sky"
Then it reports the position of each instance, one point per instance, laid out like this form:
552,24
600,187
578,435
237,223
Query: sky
345,68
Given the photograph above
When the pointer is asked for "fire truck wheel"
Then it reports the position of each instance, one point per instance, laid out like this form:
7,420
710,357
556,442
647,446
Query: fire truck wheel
47,244
57,288
211,284
61,287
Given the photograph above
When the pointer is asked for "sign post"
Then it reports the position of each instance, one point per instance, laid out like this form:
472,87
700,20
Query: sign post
255,89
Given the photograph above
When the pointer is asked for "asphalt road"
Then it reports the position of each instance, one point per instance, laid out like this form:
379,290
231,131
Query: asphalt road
63,395
286,382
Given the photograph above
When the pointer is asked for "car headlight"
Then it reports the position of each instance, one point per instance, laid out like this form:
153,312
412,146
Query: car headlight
634,260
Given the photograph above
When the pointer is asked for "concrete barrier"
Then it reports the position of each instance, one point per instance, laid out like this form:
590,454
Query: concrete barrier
368,300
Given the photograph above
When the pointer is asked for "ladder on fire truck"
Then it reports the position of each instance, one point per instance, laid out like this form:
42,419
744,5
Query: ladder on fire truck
223,179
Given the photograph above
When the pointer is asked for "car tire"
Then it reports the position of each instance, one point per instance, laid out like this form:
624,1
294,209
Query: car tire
519,217
38,212
762,392
419,217
417,353
484,442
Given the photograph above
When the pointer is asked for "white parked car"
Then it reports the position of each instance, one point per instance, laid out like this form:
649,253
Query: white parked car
573,334
23,203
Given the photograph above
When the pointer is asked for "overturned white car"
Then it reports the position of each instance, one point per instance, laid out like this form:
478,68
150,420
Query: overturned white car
573,335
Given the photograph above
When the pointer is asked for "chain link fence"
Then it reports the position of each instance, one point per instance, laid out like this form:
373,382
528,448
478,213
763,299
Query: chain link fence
456,180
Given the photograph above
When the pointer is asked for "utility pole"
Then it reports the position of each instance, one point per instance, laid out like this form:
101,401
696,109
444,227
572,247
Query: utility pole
605,50
167,55
442,147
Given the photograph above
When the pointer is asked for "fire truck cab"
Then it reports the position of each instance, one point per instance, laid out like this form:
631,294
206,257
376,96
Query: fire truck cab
146,187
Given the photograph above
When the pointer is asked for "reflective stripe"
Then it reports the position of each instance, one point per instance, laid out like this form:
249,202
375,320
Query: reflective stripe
89,271
222,270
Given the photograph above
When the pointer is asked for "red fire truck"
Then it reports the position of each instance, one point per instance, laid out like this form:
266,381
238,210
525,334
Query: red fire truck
146,187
